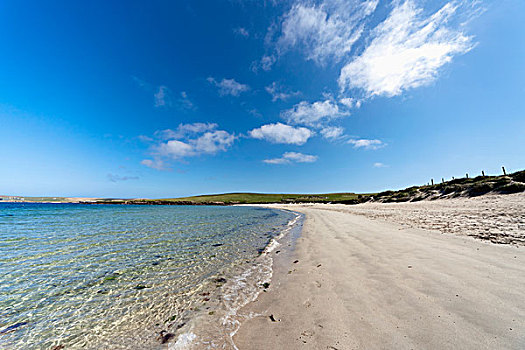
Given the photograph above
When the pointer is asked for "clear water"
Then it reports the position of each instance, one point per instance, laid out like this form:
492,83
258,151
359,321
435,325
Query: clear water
111,276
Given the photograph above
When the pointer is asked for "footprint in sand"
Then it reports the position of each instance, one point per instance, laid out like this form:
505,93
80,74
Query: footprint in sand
318,284
307,304
305,335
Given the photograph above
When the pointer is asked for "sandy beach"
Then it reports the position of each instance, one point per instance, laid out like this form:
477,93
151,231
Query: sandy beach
423,275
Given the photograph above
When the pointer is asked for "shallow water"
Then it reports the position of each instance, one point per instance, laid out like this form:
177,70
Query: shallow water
110,276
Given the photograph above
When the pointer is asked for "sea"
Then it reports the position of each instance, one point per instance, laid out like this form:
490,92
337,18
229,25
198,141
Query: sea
90,276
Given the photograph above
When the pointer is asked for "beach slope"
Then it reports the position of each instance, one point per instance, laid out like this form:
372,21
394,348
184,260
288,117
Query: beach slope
357,283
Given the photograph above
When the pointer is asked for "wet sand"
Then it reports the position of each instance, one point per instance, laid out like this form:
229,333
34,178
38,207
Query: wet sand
359,281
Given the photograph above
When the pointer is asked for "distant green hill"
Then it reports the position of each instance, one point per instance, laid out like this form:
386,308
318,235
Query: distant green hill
253,198
463,187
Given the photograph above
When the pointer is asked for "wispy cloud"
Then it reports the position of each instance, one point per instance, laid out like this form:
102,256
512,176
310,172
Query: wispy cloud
282,133
229,86
117,178
332,132
350,102
380,165
367,144
313,114
155,163
254,112
184,130
188,140
161,97
280,93
325,30
265,63
292,157
185,102
161,94
141,83
243,32
406,51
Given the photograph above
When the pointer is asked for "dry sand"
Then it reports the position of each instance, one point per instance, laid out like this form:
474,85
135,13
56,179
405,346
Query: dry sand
363,283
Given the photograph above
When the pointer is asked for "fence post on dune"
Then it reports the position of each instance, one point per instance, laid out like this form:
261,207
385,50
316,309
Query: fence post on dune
467,175
504,172
482,173
443,180
432,181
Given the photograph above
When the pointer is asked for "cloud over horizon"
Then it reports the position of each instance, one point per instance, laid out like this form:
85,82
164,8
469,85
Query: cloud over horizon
292,157
188,140
117,178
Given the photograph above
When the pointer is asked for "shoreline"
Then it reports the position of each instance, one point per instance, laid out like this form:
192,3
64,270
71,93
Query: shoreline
181,266
368,283
217,329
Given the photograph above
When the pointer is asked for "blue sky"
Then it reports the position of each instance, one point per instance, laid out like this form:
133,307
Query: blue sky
164,99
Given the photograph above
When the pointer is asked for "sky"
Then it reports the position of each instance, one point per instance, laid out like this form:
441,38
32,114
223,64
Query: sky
164,99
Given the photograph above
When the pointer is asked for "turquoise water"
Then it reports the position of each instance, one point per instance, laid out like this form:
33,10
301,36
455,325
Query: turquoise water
111,276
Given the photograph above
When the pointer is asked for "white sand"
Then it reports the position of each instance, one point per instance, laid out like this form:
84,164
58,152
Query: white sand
364,283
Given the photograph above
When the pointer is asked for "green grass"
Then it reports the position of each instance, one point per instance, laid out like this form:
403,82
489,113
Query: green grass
253,198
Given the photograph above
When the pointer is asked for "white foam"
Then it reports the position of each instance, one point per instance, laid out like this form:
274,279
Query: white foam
241,283
238,292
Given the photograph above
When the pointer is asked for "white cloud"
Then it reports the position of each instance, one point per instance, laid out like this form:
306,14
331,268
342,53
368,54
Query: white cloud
313,113
380,165
276,161
282,133
161,97
265,63
176,149
210,142
279,93
188,140
367,144
156,163
185,102
196,127
183,130
325,30
213,141
242,32
348,102
116,178
229,86
292,157
406,51
332,132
